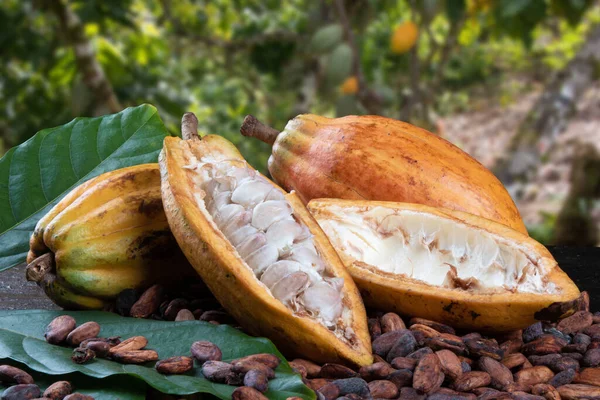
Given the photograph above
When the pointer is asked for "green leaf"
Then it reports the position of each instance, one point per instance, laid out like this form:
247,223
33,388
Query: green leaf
21,339
111,388
326,38
37,174
339,64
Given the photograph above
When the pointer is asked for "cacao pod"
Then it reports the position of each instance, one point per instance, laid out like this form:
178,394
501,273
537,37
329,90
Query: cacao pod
377,158
108,234
444,265
260,252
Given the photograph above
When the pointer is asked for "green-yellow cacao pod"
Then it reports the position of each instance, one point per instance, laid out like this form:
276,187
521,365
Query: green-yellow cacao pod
377,158
107,235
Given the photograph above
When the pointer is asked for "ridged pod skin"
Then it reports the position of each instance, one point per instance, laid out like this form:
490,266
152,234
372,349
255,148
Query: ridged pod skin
232,282
492,312
377,158
106,235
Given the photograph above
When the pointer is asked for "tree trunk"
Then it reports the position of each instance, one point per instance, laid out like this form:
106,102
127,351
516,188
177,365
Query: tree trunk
551,114
91,71
574,224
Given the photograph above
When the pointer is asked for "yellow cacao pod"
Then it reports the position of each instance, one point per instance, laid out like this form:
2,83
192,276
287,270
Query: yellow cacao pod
260,252
377,158
107,235
445,265
404,37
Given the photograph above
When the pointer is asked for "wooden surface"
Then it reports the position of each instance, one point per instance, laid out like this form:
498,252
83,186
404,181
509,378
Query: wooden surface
582,264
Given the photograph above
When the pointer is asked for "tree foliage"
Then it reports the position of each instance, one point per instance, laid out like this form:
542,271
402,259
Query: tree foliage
223,59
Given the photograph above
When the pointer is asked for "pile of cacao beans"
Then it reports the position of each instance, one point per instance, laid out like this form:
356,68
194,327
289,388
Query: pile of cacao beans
430,360
24,387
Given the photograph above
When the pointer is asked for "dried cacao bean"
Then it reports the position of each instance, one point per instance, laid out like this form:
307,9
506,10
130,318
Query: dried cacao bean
534,375
575,323
383,389
375,371
404,363
374,328
11,375
500,374
442,328
59,328
78,396
58,390
484,347
589,376
418,354
355,386
131,344
546,344
563,378
449,394
312,370
391,322
23,391
471,380
451,365
204,351
408,393
175,365
384,343
336,371
135,356
148,302
82,332
256,379
270,360
247,393
428,375
533,332
548,392
217,371
579,392
405,344
100,348
446,341
425,330
82,355
401,378
243,366
514,360
591,358
184,315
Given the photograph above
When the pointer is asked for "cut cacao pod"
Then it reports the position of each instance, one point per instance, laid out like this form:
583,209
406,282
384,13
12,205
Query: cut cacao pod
444,265
377,158
107,235
260,252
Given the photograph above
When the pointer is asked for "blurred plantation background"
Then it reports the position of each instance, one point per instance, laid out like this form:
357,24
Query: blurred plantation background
512,82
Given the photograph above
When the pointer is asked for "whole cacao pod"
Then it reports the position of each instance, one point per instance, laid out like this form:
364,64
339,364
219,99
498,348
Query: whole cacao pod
108,234
377,158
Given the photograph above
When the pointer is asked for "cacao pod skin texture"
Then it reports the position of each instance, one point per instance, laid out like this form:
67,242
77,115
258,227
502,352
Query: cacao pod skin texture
232,282
106,235
377,158
462,307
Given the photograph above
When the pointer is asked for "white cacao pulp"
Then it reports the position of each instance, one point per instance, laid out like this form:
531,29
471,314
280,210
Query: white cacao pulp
259,222
434,250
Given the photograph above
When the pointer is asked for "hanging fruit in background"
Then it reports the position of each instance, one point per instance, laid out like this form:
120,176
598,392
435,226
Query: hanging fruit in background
404,37
377,158
350,85
444,265
107,235
260,252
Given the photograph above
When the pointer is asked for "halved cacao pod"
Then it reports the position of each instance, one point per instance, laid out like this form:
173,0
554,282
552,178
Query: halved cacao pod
107,235
444,265
260,252
377,158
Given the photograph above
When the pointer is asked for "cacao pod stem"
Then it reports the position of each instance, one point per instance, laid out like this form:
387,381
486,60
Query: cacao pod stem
254,128
189,126
39,267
